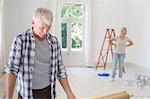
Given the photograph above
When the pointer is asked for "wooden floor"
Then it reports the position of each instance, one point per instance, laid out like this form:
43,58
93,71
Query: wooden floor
86,84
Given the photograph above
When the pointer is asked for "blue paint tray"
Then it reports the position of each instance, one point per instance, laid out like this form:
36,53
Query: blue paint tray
103,74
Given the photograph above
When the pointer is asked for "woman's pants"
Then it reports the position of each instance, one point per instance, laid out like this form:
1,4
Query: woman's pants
118,58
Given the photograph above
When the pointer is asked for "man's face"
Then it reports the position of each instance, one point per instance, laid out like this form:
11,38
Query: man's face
40,28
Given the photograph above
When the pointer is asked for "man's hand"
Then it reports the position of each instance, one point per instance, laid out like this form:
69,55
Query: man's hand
66,87
71,96
10,84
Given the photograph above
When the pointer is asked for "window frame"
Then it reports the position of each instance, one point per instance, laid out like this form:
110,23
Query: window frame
69,21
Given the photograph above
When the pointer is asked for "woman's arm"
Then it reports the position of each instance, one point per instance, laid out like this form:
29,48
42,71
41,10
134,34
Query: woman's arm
111,41
130,43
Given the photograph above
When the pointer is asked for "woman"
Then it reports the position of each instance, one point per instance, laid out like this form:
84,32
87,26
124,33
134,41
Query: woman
120,42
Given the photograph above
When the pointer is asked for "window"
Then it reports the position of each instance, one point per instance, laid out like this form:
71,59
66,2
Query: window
76,35
72,11
64,34
72,29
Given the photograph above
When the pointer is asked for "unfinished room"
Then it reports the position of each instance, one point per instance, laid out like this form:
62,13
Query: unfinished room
74,49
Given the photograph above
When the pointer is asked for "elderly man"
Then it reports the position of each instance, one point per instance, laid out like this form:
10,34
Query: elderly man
35,61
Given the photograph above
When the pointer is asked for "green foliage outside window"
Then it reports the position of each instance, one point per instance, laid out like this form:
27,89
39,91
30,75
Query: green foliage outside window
64,35
72,12
76,35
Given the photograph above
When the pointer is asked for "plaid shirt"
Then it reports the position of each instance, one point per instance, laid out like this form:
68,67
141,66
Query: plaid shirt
21,63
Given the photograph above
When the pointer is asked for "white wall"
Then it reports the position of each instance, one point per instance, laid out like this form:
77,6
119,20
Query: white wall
17,17
139,27
107,14
135,15
144,34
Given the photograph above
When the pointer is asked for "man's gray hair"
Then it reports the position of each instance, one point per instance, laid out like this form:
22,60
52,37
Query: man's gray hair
43,12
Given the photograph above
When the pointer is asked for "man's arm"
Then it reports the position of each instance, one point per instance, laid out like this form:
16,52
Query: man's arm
10,84
12,67
62,76
64,83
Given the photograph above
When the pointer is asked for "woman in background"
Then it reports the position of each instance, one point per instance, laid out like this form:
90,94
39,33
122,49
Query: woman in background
120,42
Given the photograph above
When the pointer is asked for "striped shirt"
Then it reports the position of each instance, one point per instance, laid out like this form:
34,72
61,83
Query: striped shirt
21,62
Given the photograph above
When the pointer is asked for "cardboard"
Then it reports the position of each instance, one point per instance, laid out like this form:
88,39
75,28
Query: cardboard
120,95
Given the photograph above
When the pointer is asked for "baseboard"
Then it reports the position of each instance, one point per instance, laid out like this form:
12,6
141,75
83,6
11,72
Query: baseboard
142,69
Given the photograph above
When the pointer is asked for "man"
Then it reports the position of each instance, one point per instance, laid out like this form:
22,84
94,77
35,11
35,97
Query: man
35,60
